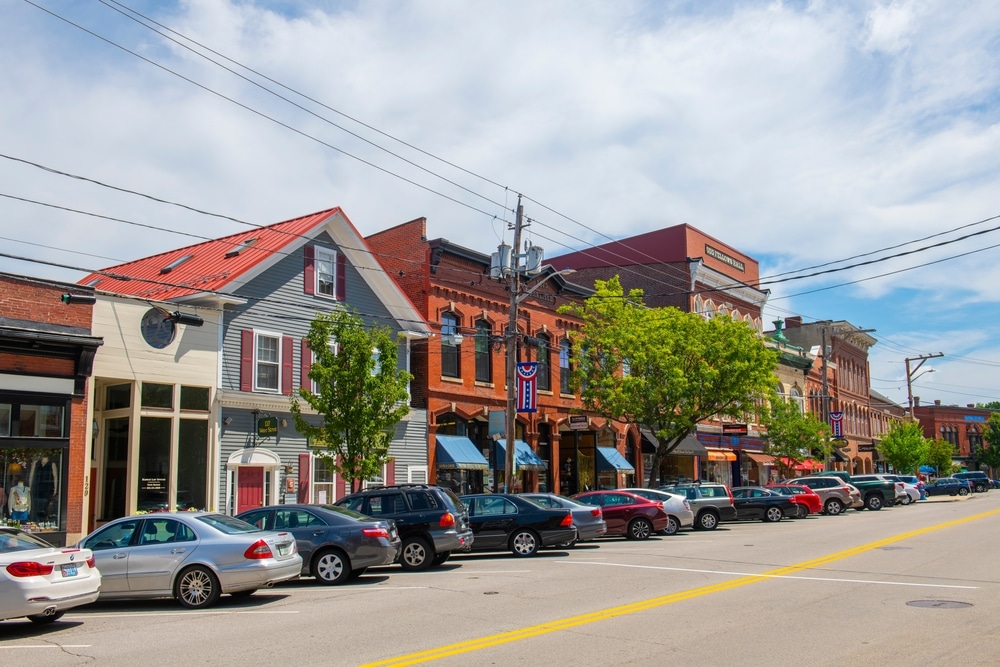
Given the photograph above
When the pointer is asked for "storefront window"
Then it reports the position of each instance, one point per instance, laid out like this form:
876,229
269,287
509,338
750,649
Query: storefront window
117,397
192,464
4,420
32,486
195,398
157,395
115,467
323,475
40,421
154,464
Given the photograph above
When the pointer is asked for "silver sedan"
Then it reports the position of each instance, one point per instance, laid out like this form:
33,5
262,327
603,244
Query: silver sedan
193,557
588,519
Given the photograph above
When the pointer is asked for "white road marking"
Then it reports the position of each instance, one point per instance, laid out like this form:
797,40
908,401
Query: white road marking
771,576
179,613
59,646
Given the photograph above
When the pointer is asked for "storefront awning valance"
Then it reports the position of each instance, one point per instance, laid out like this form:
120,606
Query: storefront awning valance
608,458
524,457
721,455
762,459
456,452
839,455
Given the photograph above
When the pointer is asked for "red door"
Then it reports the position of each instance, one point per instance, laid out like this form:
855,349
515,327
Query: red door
249,488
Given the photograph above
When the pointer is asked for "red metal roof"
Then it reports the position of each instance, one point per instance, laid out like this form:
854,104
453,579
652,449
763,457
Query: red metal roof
209,269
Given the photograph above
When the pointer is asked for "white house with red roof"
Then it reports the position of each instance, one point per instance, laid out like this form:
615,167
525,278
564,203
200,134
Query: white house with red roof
191,400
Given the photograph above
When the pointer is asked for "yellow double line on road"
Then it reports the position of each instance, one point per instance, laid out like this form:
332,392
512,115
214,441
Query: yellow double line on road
642,605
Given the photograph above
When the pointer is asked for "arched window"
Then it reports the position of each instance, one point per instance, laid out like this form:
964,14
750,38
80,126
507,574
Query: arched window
795,396
449,346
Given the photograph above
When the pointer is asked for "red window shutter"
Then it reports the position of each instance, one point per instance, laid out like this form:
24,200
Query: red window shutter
246,360
309,270
341,277
390,472
305,474
287,364
341,488
306,359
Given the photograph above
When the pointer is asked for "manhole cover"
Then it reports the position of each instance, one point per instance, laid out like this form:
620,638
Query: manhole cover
939,604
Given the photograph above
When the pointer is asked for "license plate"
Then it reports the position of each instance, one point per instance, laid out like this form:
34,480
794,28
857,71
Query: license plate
283,549
68,570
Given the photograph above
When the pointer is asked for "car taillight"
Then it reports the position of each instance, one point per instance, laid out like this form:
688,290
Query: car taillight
375,532
91,562
596,512
567,521
447,520
29,568
730,494
687,505
658,503
258,550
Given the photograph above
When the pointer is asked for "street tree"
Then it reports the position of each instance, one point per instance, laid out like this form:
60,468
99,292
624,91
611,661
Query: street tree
793,434
358,391
904,447
989,455
939,455
664,368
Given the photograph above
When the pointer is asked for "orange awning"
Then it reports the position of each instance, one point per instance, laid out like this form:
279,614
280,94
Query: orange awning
721,455
763,459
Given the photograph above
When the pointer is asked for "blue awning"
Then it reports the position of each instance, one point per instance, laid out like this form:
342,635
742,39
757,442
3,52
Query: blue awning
456,452
608,458
524,457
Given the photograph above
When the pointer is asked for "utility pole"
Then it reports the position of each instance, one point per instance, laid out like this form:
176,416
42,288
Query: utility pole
515,285
909,379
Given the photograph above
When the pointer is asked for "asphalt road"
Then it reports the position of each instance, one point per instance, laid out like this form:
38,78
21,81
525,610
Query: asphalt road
906,585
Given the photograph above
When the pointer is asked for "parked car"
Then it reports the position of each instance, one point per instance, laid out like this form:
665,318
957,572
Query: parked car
900,497
41,581
836,495
805,497
677,507
913,492
877,492
502,521
588,520
947,486
710,502
756,502
916,482
980,480
191,556
431,520
627,514
335,543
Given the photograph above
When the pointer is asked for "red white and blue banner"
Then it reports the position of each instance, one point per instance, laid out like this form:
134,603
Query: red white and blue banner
527,386
837,424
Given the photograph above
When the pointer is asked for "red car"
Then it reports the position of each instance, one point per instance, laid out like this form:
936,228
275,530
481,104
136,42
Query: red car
626,513
801,495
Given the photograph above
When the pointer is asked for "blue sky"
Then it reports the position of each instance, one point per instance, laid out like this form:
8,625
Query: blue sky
802,133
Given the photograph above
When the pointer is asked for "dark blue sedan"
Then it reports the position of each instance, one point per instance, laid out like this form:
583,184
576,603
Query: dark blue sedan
501,522
947,486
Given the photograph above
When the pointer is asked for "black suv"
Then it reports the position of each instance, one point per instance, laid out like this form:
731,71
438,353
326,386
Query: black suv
979,480
431,520
710,502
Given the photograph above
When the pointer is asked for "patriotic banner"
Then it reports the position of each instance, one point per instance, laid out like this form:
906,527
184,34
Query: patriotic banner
527,387
837,424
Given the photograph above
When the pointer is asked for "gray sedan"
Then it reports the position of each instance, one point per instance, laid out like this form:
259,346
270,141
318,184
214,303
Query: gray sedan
335,543
191,556
589,520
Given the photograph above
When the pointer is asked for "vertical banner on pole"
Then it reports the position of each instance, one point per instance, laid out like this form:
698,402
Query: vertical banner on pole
837,424
527,387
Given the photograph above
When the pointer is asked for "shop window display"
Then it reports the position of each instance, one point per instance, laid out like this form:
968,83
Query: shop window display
30,487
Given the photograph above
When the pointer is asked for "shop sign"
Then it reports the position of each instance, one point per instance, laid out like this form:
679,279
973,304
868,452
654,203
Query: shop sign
267,426
578,422
734,429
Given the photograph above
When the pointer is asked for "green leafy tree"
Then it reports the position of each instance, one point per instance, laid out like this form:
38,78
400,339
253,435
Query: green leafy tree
992,405
989,455
939,455
793,434
360,394
904,447
664,368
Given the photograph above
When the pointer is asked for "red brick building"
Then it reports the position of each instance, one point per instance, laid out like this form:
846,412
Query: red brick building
46,357
962,426
460,372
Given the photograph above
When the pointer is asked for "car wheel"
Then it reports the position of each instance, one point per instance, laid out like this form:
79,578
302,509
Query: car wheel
639,529
773,514
873,502
907,500
963,491
980,488
41,619
708,521
524,543
243,594
833,507
416,554
441,558
331,567
196,588
672,526
801,512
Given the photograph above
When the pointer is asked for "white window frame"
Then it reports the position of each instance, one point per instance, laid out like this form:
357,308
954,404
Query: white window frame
320,256
335,346
257,335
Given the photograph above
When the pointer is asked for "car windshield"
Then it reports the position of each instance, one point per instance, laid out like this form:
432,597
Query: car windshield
11,541
227,524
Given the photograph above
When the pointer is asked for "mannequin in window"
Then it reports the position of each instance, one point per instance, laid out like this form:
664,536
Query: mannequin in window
44,489
20,501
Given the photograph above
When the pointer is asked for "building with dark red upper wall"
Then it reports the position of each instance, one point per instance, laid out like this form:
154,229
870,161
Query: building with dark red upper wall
46,357
962,426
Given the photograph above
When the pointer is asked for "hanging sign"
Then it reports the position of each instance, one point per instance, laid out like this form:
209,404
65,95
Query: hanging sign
837,424
267,426
527,386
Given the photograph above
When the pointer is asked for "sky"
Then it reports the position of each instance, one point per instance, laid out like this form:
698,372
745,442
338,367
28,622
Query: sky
862,138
